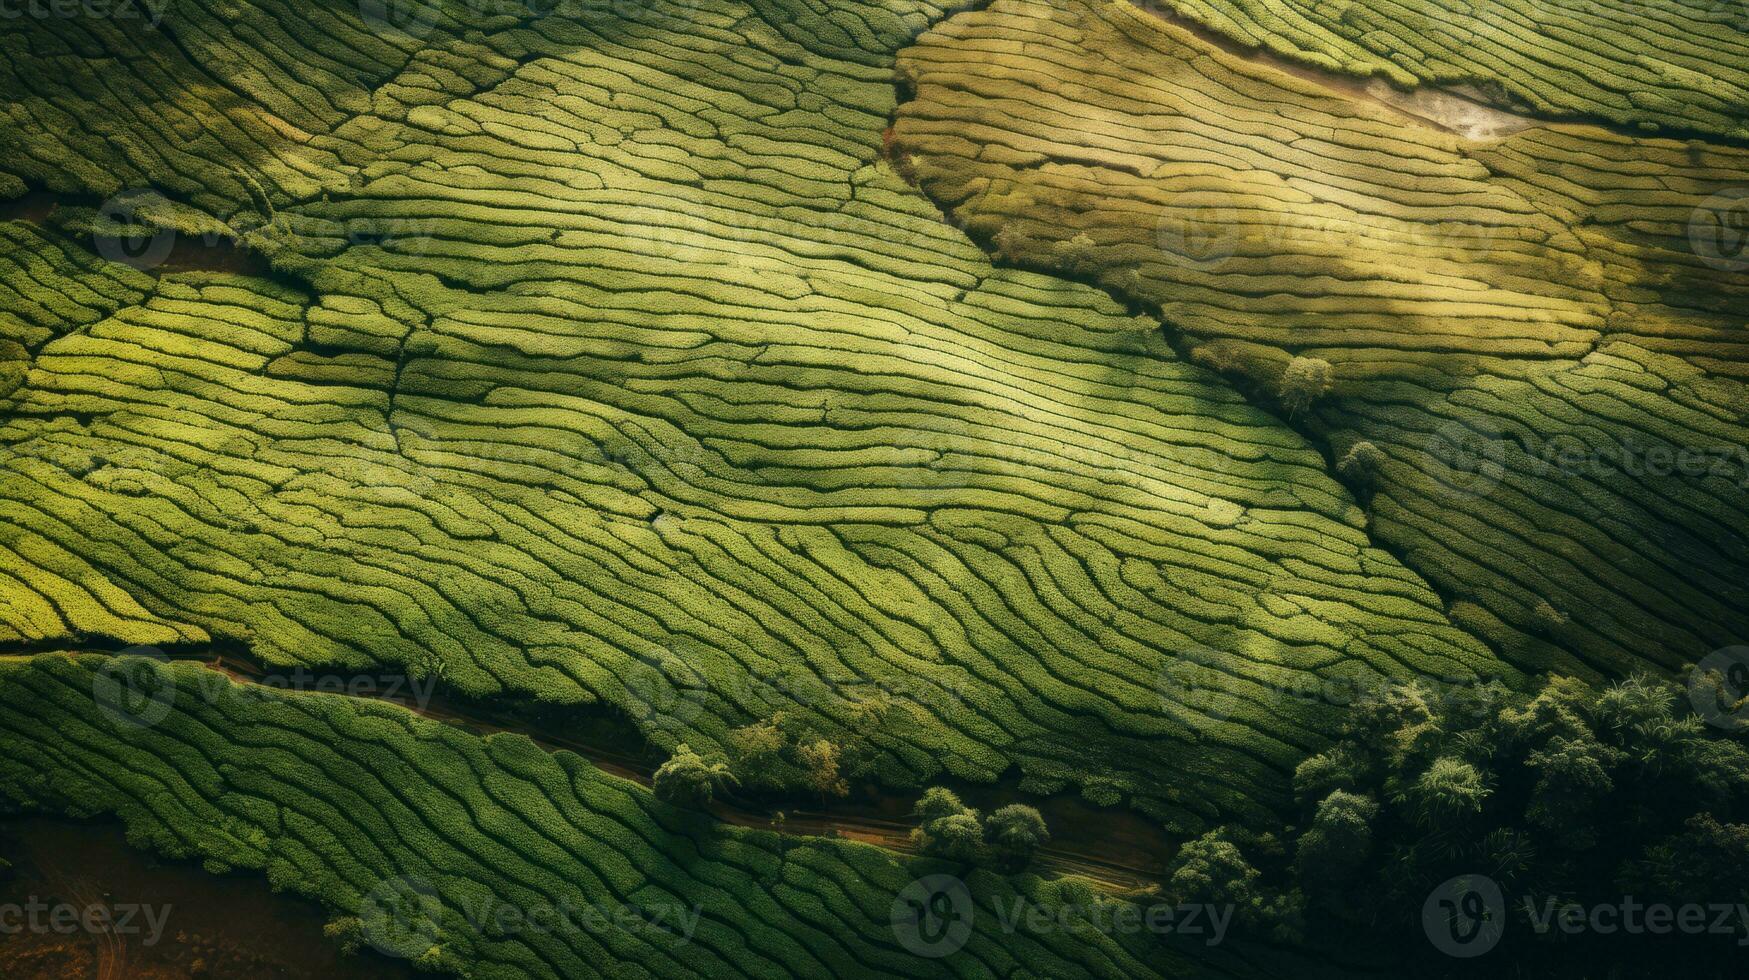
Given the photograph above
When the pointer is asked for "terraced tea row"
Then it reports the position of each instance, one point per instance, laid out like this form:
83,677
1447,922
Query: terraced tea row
1526,354
1681,66
612,365
491,856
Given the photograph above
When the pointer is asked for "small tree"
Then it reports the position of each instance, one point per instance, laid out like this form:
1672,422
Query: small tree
761,738
1339,842
1361,465
1009,243
688,779
950,828
348,931
1306,380
1211,870
1573,777
819,762
1015,832
1707,858
1450,791
937,802
1320,775
959,837
1077,256
757,751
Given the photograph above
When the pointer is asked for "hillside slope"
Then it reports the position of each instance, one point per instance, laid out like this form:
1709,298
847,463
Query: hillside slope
604,360
1538,336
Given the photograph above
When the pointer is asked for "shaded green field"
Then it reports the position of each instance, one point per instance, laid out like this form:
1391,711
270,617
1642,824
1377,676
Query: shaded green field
1680,66
607,361
1529,332
625,357
492,856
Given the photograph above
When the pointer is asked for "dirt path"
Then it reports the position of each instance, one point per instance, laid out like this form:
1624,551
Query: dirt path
1111,845
162,919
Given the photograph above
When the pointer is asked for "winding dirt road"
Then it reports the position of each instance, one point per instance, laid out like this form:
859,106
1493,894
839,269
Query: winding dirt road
1114,847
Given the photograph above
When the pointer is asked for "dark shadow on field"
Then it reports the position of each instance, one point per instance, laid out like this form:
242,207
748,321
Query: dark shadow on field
1597,569
213,926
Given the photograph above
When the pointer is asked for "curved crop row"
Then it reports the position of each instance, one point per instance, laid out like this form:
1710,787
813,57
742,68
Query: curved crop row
1680,66
492,858
605,361
1534,341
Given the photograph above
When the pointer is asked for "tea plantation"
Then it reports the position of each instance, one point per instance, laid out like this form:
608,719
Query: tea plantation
1529,333
490,856
1065,384
608,363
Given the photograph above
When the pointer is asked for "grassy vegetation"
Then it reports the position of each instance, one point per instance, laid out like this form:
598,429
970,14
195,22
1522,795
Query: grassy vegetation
1668,66
1546,366
417,835
620,355
606,361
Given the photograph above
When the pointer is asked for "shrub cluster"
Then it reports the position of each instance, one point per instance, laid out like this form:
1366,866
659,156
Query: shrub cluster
789,753
1572,795
1007,839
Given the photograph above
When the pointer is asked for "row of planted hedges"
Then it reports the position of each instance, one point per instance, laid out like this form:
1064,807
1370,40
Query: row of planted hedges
605,360
426,834
1537,340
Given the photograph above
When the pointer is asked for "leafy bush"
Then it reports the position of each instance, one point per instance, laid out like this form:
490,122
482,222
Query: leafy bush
1574,795
688,779
1213,870
950,829
783,754
1015,832
1340,840
1361,466
819,760
955,837
1306,380
938,802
